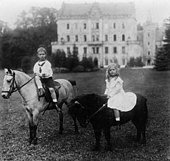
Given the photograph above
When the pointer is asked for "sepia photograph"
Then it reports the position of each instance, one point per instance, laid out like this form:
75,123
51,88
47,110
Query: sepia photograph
84,80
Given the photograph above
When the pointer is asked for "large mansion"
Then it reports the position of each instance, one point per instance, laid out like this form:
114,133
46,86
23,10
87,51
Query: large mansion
107,32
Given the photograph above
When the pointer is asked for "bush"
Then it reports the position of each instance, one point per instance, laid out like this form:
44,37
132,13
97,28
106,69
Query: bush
60,70
87,63
135,62
78,68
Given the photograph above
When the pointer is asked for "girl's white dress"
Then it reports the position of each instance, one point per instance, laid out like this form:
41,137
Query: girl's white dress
118,98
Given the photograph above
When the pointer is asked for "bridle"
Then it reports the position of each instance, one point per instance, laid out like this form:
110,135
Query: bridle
14,87
92,115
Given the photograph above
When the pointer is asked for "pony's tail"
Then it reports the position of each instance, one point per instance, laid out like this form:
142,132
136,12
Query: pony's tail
73,83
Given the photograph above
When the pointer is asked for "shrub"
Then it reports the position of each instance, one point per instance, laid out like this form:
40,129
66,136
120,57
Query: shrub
87,63
135,62
78,68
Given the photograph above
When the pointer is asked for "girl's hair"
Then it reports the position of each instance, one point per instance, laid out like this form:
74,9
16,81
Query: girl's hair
112,65
42,49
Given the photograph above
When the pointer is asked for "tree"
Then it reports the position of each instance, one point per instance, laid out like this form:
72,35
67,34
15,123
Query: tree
87,63
59,58
162,58
72,59
36,27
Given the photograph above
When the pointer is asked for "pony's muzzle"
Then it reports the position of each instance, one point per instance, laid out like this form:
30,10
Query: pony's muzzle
5,95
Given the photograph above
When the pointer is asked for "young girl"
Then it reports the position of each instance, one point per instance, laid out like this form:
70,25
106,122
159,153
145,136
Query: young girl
118,99
43,71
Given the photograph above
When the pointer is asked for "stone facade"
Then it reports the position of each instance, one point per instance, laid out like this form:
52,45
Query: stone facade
107,32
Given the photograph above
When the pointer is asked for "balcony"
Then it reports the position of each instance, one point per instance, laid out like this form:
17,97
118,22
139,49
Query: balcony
95,43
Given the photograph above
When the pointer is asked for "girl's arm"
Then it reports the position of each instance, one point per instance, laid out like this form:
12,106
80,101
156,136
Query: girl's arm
106,90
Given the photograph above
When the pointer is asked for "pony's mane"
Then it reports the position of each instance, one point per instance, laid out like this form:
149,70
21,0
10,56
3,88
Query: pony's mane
92,100
21,73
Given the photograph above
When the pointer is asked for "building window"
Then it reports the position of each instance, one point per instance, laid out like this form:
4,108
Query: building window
75,49
97,50
68,50
114,37
68,26
93,48
106,37
114,50
68,38
85,50
97,37
148,34
123,37
85,26
149,52
149,61
148,43
106,50
123,26
114,25
97,25
76,38
93,38
85,38
123,50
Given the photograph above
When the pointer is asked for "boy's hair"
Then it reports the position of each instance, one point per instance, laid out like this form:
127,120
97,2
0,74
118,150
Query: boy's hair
112,65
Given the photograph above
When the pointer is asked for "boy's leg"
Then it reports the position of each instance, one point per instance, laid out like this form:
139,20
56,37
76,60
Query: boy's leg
117,114
53,95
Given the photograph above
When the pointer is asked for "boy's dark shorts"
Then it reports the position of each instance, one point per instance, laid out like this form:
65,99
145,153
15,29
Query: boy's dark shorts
49,83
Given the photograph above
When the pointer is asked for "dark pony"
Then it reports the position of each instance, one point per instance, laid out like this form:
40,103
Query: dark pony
92,108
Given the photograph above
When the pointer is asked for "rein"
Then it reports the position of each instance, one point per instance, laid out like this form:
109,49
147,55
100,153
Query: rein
18,88
88,120
91,116
14,89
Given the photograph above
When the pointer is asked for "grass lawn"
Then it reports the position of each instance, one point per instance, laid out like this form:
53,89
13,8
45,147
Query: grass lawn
51,146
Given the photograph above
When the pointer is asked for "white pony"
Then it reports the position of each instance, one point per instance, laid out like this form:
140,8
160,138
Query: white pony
19,81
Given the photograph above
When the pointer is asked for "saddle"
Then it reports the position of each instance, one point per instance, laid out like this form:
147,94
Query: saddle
47,93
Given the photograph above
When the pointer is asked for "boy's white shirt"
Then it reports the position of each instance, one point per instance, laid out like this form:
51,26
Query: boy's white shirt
46,70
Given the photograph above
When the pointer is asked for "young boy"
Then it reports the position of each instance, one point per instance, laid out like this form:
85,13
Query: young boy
43,72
